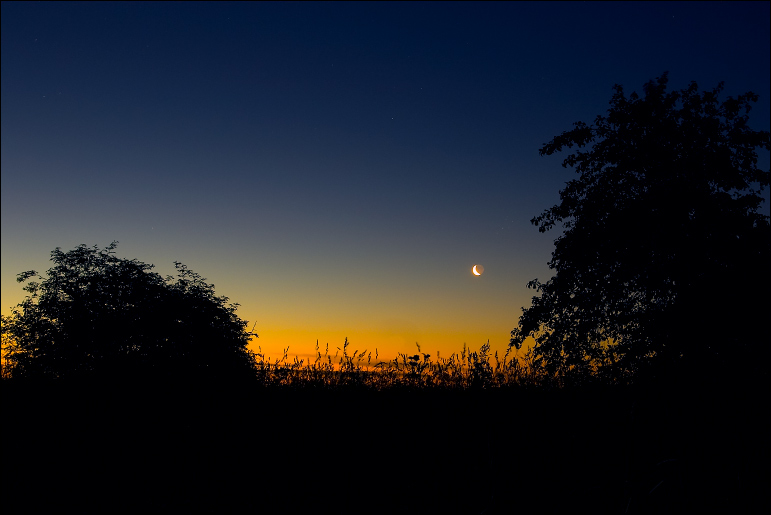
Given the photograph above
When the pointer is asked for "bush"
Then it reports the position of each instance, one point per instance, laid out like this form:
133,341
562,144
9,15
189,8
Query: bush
99,315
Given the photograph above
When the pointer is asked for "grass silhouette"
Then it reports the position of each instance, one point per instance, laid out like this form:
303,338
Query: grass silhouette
349,433
461,371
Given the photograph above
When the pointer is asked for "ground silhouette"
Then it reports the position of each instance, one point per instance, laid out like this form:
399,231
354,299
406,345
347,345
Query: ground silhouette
215,450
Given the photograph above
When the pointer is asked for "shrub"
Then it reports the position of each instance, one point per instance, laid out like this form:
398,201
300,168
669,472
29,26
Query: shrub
97,314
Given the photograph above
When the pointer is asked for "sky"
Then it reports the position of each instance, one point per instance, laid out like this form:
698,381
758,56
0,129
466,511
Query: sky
334,168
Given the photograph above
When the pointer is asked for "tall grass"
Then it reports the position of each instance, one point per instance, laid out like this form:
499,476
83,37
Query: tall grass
461,371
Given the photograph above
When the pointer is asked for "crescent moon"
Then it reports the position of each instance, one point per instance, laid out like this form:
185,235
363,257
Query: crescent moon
474,269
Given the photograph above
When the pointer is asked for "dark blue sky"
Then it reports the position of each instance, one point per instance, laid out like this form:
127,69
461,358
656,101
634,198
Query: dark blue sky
336,168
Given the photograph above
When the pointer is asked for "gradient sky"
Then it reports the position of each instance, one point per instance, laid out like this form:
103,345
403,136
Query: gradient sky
335,168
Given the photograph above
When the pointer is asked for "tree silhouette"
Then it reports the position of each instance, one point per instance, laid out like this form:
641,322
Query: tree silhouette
664,259
100,315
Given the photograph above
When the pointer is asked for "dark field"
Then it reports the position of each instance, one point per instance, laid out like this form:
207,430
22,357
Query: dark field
200,448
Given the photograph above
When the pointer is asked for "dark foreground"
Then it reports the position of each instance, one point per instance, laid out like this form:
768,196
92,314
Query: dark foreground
198,448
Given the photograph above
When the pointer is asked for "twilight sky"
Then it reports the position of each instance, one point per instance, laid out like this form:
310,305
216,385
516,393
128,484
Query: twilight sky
335,168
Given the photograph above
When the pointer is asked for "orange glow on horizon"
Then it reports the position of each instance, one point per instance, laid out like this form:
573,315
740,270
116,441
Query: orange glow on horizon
272,343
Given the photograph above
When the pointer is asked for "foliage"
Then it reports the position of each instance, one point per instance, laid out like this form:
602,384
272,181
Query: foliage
664,256
96,313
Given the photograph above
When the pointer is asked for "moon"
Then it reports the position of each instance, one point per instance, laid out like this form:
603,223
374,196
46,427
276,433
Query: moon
478,269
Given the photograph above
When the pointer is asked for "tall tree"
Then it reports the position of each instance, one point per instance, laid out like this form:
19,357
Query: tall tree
96,313
664,258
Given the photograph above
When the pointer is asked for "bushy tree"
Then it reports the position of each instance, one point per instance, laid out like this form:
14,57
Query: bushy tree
664,258
97,314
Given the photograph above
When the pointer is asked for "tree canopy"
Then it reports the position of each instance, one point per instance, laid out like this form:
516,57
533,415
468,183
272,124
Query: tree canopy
97,314
664,257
